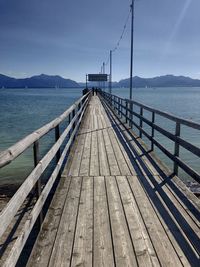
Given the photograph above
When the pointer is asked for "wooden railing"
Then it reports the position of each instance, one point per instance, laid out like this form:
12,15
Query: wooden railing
74,115
125,109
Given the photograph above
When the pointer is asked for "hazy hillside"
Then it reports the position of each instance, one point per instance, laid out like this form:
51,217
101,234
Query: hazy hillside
161,81
45,81
36,81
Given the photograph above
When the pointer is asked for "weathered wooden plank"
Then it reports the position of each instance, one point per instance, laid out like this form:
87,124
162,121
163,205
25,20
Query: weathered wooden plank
83,244
96,112
85,160
187,228
103,250
105,118
94,159
165,251
131,164
173,240
119,156
113,164
145,252
61,254
124,153
103,160
77,156
77,152
41,253
123,247
114,168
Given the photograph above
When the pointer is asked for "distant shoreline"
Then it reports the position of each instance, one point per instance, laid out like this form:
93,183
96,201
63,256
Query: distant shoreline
114,87
56,81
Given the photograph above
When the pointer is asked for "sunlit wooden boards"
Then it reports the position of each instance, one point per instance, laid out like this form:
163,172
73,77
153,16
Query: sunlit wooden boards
108,213
97,150
106,221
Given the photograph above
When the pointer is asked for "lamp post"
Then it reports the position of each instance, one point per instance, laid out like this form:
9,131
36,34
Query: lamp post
132,31
110,85
104,73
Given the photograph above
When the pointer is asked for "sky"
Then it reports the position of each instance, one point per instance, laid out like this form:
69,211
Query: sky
73,37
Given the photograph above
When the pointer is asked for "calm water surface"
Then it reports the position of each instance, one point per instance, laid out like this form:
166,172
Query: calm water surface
24,110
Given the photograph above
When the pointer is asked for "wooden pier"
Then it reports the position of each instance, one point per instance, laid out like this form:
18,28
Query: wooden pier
116,204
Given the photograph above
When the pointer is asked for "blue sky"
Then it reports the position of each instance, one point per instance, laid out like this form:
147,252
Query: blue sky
73,37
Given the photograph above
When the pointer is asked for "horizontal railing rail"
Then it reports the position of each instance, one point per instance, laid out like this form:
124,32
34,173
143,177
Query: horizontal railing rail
125,109
74,115
14,151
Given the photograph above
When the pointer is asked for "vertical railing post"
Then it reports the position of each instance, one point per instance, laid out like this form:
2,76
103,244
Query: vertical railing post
57,136
152,130
176,146
74,124
38,184
69,120
126,112
118,104
141,121
79,107
130,114
121,108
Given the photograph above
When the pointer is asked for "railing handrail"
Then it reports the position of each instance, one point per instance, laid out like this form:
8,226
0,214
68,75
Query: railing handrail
11,153
120,104
77,111
167,115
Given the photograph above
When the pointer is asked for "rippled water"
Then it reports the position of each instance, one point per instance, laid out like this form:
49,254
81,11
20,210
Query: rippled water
24,110
21,112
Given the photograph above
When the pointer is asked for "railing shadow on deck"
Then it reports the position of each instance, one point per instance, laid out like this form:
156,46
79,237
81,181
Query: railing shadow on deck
158,187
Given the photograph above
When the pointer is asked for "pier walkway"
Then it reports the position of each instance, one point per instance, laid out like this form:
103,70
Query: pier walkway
110,210
116,204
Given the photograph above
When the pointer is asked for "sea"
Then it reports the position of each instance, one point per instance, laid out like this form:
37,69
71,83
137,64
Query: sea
24,110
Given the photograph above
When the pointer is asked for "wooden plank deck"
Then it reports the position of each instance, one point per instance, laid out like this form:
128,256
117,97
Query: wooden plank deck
112,208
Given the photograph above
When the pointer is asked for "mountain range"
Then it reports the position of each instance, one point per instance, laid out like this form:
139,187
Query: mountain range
40,81
52,81
161,81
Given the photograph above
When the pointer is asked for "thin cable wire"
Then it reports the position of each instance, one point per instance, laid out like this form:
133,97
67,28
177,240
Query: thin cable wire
121,37
123,32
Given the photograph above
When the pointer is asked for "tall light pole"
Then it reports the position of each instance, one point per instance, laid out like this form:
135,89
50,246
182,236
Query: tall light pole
104,73
101,73
132,31
110,85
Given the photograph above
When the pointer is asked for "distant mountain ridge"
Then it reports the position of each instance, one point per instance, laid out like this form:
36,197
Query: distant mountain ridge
43,81
161,81
51,81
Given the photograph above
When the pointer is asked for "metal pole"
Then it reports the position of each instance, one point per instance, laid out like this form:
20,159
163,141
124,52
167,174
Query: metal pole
132,30
104,73
110,72
101,73
86,81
